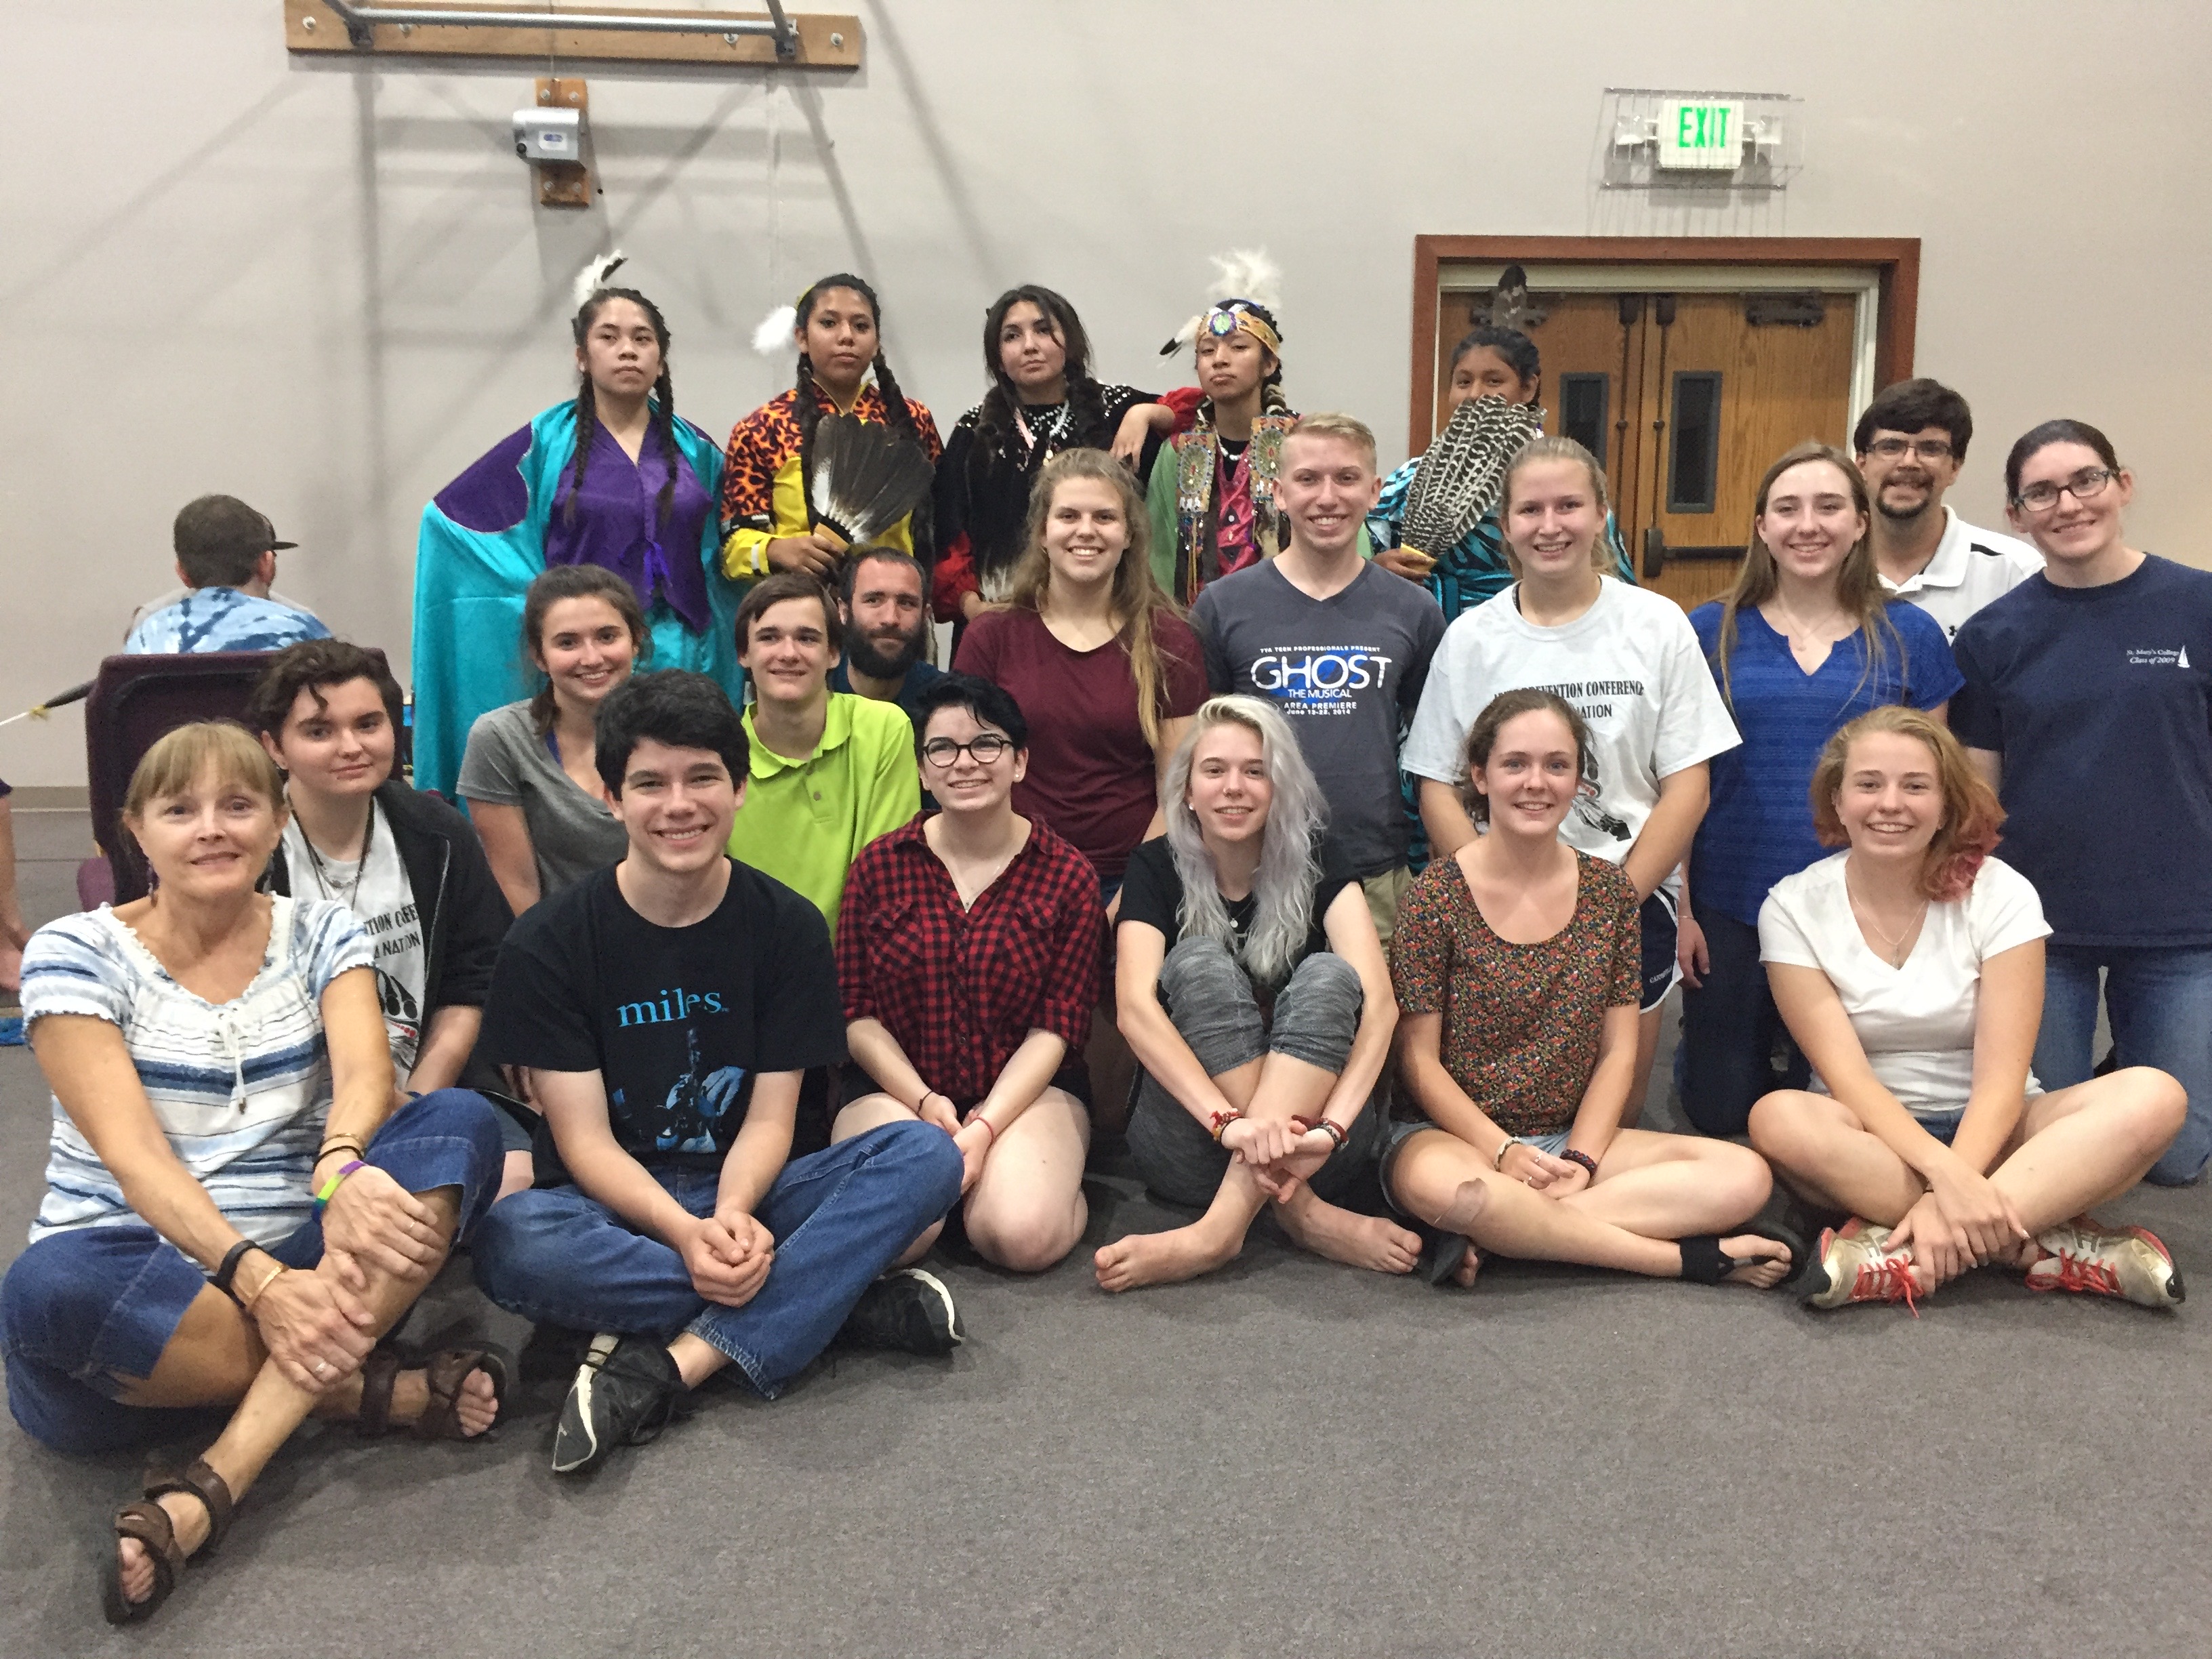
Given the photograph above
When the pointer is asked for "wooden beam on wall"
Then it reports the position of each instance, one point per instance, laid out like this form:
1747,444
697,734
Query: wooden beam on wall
825,41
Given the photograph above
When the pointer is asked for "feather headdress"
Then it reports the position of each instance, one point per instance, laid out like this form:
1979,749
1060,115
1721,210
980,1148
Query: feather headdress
594,276
1245,273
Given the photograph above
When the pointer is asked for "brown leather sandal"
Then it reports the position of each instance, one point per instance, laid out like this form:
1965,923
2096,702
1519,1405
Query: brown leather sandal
149,1522
443,1374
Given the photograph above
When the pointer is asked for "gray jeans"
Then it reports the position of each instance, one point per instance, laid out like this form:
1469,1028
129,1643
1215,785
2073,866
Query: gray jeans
1317,1015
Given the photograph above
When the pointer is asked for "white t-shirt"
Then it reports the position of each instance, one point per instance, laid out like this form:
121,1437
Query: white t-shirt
1970,568
1631,668
1915,1023
384,903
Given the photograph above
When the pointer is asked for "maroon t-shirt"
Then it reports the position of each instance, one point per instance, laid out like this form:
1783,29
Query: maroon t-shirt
1090,776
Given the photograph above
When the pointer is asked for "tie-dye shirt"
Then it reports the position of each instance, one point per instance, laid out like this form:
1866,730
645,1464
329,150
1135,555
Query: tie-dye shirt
221,619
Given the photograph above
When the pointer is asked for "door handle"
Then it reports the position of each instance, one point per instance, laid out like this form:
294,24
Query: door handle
1655,553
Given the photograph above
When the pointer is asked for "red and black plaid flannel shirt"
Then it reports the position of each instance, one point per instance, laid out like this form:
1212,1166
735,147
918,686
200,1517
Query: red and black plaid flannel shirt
960,989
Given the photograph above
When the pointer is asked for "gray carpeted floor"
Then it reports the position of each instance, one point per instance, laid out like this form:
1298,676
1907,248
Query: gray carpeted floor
1290,1459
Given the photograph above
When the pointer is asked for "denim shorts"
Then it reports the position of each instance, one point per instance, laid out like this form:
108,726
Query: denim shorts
84,1312
1551,1144
1942,1125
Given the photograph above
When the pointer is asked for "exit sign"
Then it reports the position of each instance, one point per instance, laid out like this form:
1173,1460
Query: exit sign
1698,133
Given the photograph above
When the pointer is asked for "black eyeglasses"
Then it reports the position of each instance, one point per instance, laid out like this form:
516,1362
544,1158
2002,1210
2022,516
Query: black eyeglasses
2084,486
1927,449
941,752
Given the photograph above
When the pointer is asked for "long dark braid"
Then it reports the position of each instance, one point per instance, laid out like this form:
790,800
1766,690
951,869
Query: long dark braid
588,411
664,390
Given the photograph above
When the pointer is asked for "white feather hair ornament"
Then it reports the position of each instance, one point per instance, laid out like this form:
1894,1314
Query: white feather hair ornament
594,276
773,337
1247,273
1244,273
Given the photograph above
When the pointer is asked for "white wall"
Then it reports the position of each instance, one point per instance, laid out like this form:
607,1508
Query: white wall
323,286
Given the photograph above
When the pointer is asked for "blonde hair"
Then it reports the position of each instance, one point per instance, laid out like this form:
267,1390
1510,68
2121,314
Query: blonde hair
1968,833
1136,600
177,760
1348,427
1549,448
1859,591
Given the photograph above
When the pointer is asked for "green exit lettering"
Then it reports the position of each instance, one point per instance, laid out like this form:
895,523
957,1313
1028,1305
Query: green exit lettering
1703,126
1697,133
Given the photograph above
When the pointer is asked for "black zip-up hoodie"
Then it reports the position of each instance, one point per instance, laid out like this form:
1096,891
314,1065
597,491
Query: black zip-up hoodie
463,913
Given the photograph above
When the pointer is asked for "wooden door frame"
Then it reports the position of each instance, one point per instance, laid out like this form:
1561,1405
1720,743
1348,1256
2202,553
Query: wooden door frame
1895,259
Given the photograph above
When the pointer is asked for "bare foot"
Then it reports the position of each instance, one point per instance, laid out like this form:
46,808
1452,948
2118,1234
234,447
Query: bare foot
188,1517
1469,1265
476,1406
1164,1258
1766,1260
1359,1241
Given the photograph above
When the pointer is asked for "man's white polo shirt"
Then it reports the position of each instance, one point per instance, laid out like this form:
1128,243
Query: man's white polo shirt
1971,567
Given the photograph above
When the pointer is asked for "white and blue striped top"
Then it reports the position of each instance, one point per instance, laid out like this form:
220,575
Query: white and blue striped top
242,1089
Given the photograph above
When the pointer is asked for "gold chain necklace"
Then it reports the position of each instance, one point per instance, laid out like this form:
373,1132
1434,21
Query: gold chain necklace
1896,953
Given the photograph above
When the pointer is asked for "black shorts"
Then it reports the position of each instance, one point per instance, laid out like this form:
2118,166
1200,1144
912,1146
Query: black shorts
1073,1076
1661,933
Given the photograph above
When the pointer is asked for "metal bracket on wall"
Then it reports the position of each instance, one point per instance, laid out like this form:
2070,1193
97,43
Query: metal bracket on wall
805,40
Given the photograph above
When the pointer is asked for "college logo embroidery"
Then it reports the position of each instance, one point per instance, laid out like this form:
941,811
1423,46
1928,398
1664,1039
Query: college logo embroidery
2157,656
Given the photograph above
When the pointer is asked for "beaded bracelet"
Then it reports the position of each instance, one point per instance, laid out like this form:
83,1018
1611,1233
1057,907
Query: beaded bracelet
1335,1131
330,1187
1503,1147
1582,1158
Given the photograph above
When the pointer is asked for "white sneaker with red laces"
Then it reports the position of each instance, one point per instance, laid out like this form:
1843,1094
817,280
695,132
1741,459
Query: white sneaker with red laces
1857,1265
2129,1262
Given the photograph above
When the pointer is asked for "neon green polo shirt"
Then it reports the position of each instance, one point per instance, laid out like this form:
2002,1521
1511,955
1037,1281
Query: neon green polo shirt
805,821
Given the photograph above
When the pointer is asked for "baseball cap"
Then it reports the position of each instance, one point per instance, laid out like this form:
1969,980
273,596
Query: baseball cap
216,526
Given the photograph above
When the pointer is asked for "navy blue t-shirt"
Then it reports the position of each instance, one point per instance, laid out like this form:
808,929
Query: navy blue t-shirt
2100,702
1759,826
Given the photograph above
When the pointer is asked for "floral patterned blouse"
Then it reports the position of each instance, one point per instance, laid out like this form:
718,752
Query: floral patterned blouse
1520,1022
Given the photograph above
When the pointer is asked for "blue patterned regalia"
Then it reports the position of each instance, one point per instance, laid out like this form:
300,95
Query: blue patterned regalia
489,533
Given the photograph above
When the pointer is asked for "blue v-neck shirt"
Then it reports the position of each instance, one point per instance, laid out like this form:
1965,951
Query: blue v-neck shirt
1759,828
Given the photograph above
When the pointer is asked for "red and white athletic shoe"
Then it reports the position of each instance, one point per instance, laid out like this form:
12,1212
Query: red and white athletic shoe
2129,1262
1857,1265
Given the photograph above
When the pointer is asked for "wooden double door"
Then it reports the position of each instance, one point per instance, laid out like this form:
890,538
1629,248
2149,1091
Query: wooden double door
1687,397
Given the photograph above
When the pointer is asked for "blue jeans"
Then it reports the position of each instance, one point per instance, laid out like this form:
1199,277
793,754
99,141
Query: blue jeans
2161,1003
839,1216
85,1313
1730,1028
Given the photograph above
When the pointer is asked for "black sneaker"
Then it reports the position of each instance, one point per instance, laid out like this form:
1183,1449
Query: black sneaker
625,1393
906,1309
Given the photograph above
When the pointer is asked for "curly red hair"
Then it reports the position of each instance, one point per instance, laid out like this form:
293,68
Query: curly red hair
1968,833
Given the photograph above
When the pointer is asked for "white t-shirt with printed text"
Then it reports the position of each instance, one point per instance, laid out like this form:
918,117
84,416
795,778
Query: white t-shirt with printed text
1631,668
1915,1022
384,904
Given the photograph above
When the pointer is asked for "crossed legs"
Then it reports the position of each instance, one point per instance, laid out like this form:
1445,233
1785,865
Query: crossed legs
216,1357
1650,1189
2072,1149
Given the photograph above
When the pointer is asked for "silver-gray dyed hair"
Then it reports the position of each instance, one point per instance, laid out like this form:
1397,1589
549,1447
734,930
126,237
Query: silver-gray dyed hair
1289,847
